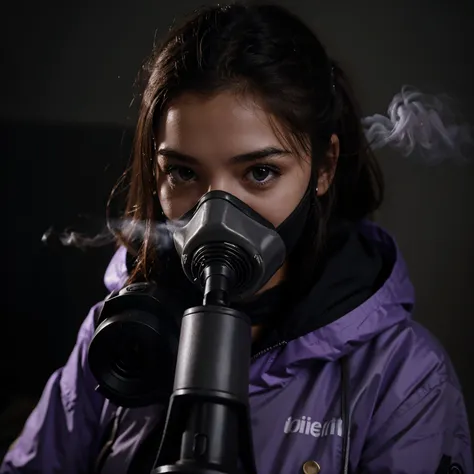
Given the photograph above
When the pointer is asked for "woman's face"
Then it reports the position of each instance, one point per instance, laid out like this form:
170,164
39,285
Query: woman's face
226,143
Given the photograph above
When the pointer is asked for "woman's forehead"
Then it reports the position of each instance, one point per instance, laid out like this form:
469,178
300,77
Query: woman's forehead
224,124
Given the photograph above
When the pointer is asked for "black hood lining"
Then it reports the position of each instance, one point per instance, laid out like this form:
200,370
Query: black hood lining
353,269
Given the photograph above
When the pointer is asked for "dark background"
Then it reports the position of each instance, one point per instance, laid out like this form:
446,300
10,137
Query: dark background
66,122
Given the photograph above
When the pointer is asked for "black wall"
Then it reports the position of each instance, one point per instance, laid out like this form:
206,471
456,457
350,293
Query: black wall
57,175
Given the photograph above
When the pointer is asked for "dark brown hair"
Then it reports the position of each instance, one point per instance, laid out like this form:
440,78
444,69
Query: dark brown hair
267,51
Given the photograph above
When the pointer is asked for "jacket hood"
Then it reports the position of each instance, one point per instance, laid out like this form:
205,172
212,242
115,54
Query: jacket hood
388,306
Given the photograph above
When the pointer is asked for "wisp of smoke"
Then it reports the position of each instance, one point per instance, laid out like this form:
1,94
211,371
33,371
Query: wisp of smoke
77,239
160,233
421,124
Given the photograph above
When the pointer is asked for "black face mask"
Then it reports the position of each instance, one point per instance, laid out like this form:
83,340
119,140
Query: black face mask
223,217
289,230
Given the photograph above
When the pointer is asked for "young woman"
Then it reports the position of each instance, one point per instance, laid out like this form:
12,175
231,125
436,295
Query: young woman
245,99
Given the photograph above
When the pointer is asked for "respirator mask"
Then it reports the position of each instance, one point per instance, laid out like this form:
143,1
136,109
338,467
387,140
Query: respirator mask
228,252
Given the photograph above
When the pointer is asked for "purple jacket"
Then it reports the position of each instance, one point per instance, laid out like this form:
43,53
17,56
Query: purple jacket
407,413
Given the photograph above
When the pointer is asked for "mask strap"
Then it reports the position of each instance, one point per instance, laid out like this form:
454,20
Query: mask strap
292,227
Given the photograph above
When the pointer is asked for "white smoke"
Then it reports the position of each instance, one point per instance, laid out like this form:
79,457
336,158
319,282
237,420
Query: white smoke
421,124
161,234
77,239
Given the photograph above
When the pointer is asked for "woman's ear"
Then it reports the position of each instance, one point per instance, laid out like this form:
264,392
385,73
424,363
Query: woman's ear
327,172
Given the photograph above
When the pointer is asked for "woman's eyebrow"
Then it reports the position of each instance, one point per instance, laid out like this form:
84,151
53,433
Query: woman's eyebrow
254,155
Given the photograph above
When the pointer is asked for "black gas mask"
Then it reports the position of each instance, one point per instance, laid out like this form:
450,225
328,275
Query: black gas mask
228,252
223,235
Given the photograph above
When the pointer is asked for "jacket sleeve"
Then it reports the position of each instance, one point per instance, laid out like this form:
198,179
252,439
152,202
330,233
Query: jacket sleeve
61,432
428,433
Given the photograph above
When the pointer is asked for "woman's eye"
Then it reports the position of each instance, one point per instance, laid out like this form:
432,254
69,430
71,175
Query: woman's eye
262,174
180,174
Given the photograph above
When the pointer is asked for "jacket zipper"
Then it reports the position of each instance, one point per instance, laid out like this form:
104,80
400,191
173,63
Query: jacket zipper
268,349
